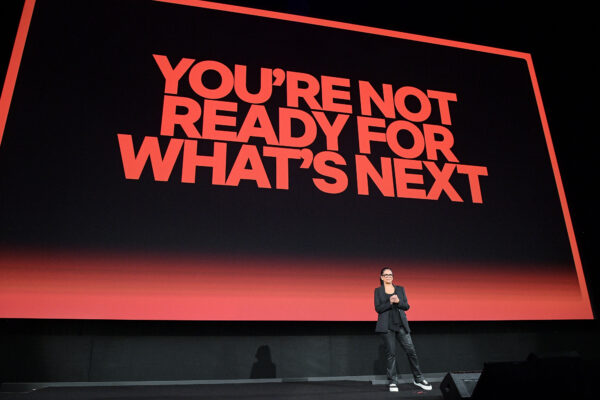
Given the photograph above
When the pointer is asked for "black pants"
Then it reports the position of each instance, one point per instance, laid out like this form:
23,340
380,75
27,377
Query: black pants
390,338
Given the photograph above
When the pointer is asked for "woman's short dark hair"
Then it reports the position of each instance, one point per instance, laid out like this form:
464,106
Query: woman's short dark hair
381,273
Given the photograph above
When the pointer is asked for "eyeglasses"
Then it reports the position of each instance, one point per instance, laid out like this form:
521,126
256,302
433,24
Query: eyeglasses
387,275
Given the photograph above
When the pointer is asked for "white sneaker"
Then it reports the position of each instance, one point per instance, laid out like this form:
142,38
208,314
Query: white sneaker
393,387
423,384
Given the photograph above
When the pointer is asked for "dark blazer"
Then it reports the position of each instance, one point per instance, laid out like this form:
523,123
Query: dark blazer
384,308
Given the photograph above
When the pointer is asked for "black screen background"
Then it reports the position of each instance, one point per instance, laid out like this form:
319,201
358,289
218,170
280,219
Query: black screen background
87,74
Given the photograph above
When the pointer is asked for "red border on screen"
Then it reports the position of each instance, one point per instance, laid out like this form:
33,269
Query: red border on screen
167,287
583,304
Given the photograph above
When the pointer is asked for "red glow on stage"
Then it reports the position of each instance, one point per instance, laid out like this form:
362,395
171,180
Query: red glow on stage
148,287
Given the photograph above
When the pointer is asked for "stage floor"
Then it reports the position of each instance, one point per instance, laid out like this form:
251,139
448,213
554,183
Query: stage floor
342,390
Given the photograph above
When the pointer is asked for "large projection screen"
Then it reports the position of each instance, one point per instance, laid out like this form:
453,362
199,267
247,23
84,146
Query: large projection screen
189,160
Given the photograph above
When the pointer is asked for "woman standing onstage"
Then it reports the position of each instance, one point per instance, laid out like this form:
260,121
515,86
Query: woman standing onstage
392,326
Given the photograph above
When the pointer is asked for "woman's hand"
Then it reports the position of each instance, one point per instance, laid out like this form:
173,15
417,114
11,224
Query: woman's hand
394,299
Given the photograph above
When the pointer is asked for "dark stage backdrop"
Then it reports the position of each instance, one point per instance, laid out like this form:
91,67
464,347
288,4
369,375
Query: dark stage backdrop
195,161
